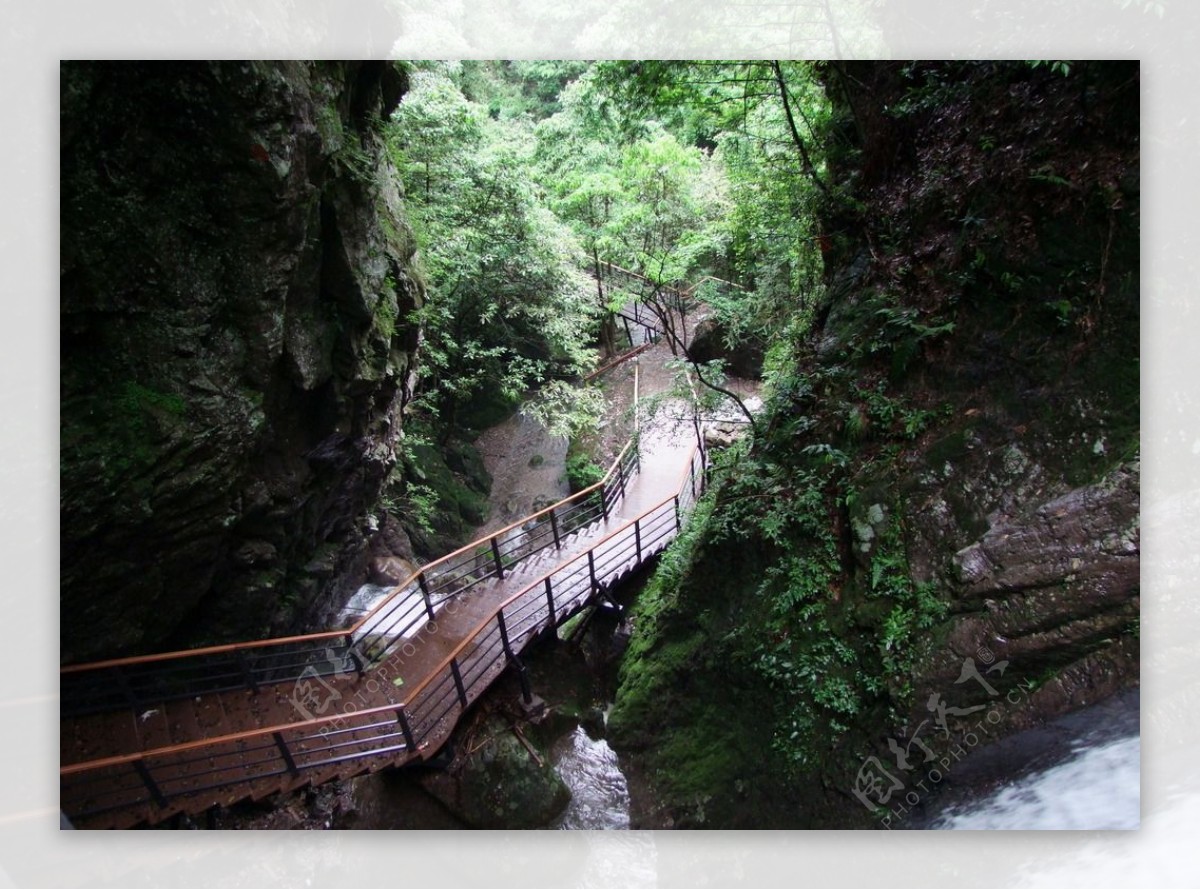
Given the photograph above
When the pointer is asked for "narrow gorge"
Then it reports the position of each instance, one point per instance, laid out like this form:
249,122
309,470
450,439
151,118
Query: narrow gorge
310,309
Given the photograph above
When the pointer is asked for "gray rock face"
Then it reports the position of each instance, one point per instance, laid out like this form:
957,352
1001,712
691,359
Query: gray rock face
1088,537
708,344
235,350
1053,589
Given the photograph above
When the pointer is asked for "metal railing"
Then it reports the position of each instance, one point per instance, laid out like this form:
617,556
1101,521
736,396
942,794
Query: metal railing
184,775
142,681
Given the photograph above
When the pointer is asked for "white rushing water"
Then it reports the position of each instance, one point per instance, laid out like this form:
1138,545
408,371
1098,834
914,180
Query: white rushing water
1097,787
403,619
599,794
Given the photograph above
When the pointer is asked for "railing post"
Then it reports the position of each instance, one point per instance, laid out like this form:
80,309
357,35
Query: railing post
148,780
458,682
287,755
424,585
604,500
504,633
496,558
355,659
678,516
550,602
247,674
554,530
522,674
402,719
592,571
637,538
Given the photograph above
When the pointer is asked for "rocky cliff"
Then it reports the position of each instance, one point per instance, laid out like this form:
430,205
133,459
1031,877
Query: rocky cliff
935,538
237,279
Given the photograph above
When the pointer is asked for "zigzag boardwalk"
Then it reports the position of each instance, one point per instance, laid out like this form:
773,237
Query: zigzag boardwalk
145,738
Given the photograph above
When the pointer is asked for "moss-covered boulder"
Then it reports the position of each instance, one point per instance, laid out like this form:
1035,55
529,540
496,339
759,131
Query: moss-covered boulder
504,782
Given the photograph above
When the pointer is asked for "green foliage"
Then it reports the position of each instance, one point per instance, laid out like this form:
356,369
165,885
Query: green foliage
582,472
418,505
669,168
387,311
134,400
826,454
888,329
566,410
1045,173
507,308
1061,66
886,414
132,422
515,89
915,607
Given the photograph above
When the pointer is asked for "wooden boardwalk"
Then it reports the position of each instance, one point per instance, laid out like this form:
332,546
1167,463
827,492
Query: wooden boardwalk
385,693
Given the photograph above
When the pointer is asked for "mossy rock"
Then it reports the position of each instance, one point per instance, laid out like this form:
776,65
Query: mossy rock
500,784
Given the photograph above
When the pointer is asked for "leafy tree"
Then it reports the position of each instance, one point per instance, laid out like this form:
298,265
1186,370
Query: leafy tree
764,122
577,166
508,308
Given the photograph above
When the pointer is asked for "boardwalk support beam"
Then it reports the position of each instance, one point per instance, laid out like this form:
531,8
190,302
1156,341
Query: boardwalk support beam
405,728
550,603
247,674
497,560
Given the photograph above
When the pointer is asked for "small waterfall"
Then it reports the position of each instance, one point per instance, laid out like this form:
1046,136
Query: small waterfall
1081,771
1095,788
362,602
599,795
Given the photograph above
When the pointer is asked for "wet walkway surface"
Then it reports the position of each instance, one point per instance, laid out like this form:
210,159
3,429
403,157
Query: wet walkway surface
415,677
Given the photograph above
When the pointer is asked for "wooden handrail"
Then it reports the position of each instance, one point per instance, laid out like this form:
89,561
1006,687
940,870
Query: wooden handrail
441,666
348,632
207,650
691,290
640,276
624,357
578,496
120,759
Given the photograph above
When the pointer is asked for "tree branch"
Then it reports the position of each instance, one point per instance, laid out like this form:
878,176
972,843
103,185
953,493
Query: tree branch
796,137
